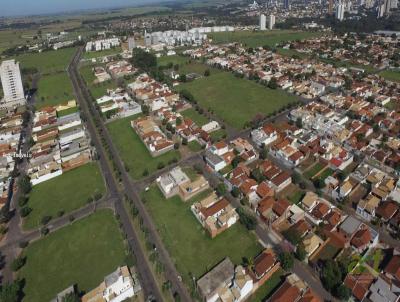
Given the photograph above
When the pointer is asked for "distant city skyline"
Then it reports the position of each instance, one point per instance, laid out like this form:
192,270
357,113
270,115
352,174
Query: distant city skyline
40,7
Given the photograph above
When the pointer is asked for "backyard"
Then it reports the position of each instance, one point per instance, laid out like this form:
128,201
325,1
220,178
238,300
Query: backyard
82,253
66,193
136,157
190,246
245,99
262,38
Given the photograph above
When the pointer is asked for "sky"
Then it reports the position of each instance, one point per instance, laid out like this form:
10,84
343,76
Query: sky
34,7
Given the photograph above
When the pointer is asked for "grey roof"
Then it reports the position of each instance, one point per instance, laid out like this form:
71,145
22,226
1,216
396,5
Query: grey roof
75,147
221,274
60,296
350,225
381,291
213,158
112,278
68,118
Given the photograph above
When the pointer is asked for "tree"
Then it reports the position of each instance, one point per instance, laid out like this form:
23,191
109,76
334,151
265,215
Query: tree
292,236
145,109
235,192
264,153
207,73
24,211
331,275
342,292
273,84
301,252
24,183
71,297
257,175
18,263
11,292
299,122
182,78
221,189
286,260
143,60
246,218
236,161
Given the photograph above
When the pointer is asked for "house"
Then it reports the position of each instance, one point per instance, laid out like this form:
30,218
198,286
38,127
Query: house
116,287
366,207
361,239
311,243
225,283
215,214
265,264
264,136
383,289
294,290
176,182
359,284
215,161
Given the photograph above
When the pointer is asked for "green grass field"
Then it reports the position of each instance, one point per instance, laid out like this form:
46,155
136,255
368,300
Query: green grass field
190,246
391,75
133,151
66,192
102,53
82,253
186,65
236,100
196,117
262,38
97,90
54,89
48,61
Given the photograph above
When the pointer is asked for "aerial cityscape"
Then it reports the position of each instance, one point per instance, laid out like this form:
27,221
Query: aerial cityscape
187,150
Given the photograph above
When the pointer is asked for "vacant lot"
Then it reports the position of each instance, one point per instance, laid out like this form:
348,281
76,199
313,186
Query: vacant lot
166,60
266,290
134,153
54,89
82,253
236,100
262,38
67,192
190,246
313,170
391,75
102,53
48,61
196,117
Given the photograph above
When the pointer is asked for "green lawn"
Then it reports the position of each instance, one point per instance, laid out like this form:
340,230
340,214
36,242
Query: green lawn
196,117
236,100
102,53
324,174
262,38
196,67
266,290
296,197
82,253
133,151
313,170
291,53
194,146
54,89
348,64
218,135
190,246
48,61
99,89
66,192
67,111
391,75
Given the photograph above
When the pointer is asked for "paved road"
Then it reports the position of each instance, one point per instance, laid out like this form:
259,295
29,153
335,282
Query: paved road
148,281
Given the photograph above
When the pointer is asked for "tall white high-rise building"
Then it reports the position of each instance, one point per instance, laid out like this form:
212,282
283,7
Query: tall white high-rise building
131,43
271,21
340,11
263,22
12,84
